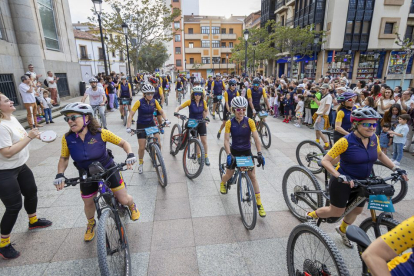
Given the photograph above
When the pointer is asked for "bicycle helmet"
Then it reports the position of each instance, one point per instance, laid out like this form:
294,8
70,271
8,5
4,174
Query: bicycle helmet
256,81
198,89
148,88
346,96
218,75
239,102
93,80
365,113
232,82
78,107
123,78
178,79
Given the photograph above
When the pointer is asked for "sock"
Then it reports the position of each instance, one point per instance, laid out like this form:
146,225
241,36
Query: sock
91,220
220,131
4,242
141,161
313,214
318,141
214,113
198,155
258,199
326,144
206,155
33,219
343,226
221,183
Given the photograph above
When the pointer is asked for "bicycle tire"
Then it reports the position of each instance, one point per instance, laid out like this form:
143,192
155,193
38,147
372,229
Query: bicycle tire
159,162
179,97
220,110
98,116
401,187
166,99
175,140
265,132
312,229
291,197
311,157
222,162
194,158
251,201
102,240
125,115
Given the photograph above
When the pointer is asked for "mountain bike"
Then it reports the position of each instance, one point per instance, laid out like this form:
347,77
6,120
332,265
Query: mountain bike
179,95
219,107
166,94
245,191
187,140
263,129
114,256
125,102
153,148
97,114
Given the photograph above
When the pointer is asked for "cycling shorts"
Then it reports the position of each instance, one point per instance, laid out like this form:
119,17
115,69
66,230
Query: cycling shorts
216,100
125,98
115,182
341,193
142,134
226,114
237,153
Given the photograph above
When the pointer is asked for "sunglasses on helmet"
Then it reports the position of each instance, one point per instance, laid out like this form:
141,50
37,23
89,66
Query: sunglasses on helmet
72,118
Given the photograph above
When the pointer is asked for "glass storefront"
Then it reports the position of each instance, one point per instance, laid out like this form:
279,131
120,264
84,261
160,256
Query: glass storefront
397,60
368,65
340,62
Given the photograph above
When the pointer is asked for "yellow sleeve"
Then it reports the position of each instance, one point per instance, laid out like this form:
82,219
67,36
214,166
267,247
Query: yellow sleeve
137,104
224,85
339,116
238,94
228,126
212,85
65,150
264,93
252,125
338,148
226,98
401,237
110,137
205,105
157,106
185,104
378,145
249,93
161,91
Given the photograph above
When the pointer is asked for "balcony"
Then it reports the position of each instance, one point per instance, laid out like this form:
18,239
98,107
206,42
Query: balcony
195,50
289,22
228,36
290,2
280,6
194,36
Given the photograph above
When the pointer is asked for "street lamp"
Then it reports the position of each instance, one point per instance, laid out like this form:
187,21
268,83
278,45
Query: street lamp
227,58
98,13
254,57
315,43
246,37
125,30
107,52
185,65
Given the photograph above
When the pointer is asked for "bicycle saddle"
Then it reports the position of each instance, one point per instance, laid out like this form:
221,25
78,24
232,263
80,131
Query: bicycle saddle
327,132
358,235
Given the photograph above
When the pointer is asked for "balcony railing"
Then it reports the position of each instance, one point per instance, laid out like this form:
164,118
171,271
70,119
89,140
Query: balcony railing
279,4
289,22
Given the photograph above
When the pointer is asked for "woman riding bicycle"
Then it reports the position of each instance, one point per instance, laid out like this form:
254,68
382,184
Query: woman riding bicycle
158,96
357,152
124,92
228,97
343,125
198,110
241,128
145,107
217,86
86,143
254,95
178,85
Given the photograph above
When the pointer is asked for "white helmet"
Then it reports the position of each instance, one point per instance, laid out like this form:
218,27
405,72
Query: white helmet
93,79
81,108
239,102
198,89
147,88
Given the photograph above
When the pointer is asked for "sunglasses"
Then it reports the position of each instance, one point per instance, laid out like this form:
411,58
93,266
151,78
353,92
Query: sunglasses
72,118
256,84
374,125
350,100
232,85
240,109
150,94
198,94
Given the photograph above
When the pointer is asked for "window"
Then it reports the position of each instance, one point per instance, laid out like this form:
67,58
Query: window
113,54
230,44
365,27
223,60
215,44
349,26
176,1
223,31
282,20
178,50
357,28
101,53
191,45
178,62
48,24
205,60
121,56
176,25
205,30
205,43
177,38
409,32
389,28
191,60
2,30
117,38
215,30
8,88
190,30
223,45
216,60
83,52
230,31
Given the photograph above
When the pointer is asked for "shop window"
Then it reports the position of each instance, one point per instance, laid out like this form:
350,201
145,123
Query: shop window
191,60
191,45
205,43
190,30
205,30
341,63
368,65
397,60
178,63
389,27
47,17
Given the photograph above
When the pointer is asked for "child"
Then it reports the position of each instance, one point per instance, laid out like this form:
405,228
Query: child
400,137
47,107
299,110
385,138
288,107
276,105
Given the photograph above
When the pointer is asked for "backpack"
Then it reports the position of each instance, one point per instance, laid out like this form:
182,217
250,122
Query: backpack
46,83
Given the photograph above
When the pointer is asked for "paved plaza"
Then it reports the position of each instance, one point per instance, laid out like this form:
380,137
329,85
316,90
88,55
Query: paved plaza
187,228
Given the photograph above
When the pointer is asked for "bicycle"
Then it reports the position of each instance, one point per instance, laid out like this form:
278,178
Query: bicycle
179,95
153,148
193,155
219,107
263,129
245,191
125,102
97,114
114,257
166,94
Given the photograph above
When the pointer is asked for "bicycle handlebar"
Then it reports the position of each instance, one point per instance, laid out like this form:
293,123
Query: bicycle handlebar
93,178
375,181
136,131
183,117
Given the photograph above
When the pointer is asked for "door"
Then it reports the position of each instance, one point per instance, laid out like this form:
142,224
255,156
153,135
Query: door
86,73
281,69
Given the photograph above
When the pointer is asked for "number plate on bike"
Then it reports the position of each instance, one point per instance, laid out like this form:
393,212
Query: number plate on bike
151,130
125,102
263,114
219,97
192,123
380,203
244,161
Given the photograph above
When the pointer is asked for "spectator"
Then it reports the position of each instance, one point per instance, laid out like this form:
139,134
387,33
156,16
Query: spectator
111,93
383,104
405,100
399,138
321,115
385,138
52,84
360,87
47,107
31,71
28,92
369,102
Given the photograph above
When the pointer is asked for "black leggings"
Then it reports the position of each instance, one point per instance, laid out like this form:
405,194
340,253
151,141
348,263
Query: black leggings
15,183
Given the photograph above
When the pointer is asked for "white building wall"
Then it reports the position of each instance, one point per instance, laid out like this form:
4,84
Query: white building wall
336,19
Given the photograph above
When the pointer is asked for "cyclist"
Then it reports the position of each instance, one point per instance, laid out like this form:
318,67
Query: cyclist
217,86
198,110
164,82
178,84
388,247
357,152
241,128
86,143
208,84
228,97
169,78
254,95
158,96
158,77
124,92
97,99
343,123
192,78
145,107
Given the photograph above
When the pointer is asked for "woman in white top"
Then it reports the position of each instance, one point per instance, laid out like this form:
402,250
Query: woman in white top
383,104
16,177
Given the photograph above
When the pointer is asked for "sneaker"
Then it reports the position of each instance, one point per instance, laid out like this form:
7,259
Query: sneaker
345,240
8,252
262,212
140,168
40,223
52,122
287,122
207,161
135,214
296,125
218,135
214,116
326,147
310,218
122,117
396,163
223,189
284,120
47,123
90,231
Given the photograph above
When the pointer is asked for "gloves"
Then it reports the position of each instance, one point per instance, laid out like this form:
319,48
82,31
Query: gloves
344,178
260,159
59,179
128,130
400,171
230,159
131,159
167,122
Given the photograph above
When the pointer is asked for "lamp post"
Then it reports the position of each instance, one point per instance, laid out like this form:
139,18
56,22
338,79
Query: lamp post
125,30
227,60
254,57
185,65
107,53
246,37
98,13
315,43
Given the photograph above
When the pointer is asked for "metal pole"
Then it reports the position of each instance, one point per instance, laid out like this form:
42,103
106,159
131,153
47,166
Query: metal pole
254,57
245,59
129,67
227,66
103,44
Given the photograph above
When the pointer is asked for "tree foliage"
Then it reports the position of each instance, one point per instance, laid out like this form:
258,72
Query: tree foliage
152,56
406,46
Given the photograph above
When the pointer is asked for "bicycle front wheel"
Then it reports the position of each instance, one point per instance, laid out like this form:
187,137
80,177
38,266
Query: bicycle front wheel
247,201
222,162
220,110
308,153
125,114
179,97
175,139
98,116
265,135
193,158
311,250
159,165
113,249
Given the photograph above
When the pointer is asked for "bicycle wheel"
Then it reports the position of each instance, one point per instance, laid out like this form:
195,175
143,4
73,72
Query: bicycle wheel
297,184
220,110
210,106
179,98
401,187
308,153
311,250
98,116
222,162
265,135
159,165
125,114
193,158
247,201
166,99
175,139
386,225
113,248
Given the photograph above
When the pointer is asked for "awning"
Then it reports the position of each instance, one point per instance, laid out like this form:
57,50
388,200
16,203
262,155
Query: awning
297,58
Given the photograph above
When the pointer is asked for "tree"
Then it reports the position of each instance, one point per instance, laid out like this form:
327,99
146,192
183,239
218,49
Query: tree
406,46
152,56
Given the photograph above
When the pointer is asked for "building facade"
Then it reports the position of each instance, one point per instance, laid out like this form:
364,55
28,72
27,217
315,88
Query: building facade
37,32
208,41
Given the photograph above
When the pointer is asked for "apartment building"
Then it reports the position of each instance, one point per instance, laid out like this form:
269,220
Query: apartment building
208,41
252,21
